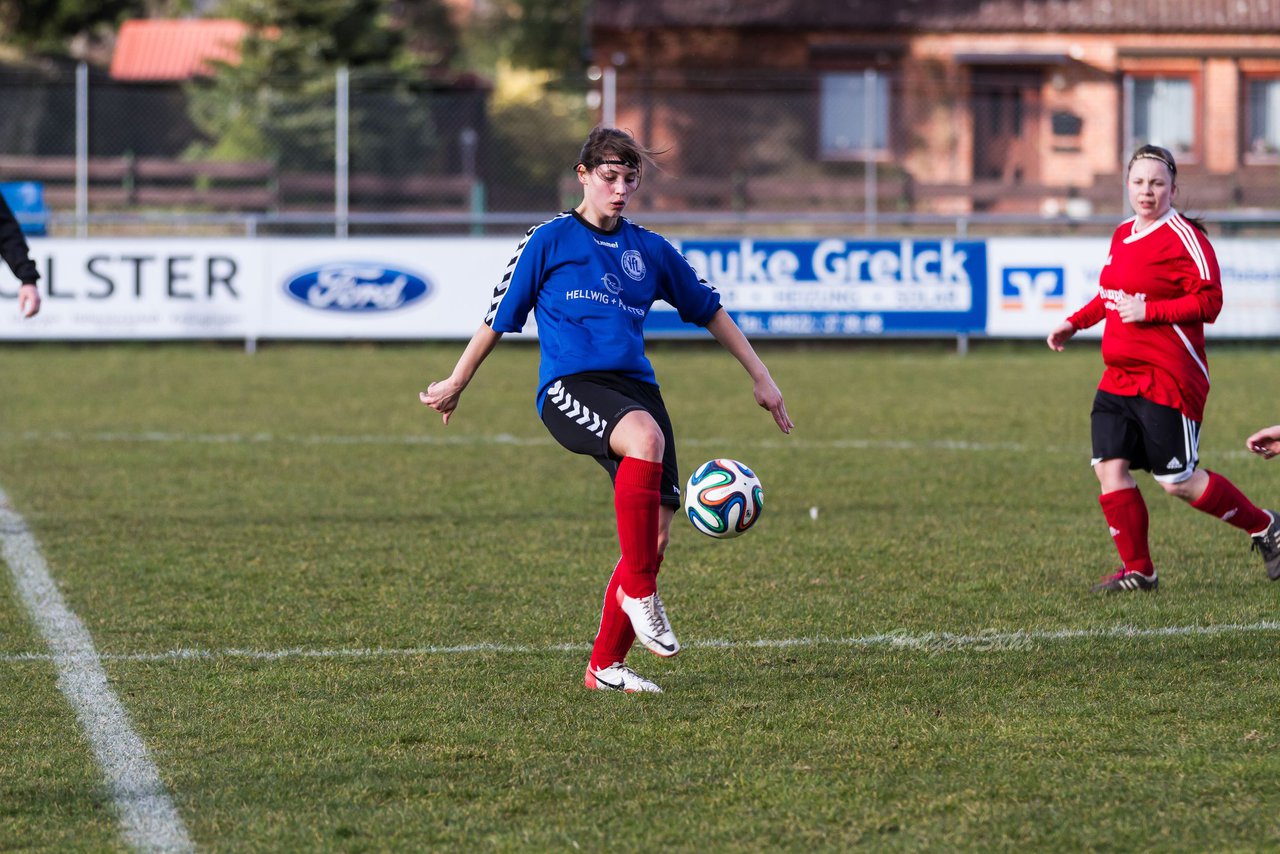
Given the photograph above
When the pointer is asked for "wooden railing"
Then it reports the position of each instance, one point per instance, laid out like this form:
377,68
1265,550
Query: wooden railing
121,183
153,183
1252,186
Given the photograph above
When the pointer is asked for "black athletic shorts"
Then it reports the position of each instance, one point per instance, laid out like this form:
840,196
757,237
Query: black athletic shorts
1151,436
581,410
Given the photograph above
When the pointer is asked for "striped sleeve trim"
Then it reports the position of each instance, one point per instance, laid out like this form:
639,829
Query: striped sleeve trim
500,290
1187,234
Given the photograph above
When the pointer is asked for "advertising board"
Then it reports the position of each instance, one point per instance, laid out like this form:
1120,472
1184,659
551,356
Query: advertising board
440,288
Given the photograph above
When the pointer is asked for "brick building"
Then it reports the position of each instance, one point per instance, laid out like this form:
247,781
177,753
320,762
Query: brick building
995,105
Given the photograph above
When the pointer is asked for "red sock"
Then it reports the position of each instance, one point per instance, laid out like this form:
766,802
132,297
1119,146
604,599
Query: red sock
1126,515
1222,499
615,637
635,503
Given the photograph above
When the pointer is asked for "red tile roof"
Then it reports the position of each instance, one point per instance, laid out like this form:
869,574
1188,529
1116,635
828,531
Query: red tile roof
1143,16
165,49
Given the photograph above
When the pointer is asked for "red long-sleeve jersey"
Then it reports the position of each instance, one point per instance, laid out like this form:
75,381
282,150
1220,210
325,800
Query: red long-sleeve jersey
1173,268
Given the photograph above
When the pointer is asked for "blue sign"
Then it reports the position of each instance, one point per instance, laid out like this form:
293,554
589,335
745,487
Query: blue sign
1033,288
841,287
26,200
357,286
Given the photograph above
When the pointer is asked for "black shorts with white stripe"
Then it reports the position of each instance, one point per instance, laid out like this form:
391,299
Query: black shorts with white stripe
581,410
1151,436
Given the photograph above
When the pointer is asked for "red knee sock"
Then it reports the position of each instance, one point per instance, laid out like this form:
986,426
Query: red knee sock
615,637
635,503
1222,499
1126,514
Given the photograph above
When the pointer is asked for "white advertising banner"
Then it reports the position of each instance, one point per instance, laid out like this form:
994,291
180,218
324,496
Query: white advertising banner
440,288
138,289
380,288
207,288
1251,289
1035,283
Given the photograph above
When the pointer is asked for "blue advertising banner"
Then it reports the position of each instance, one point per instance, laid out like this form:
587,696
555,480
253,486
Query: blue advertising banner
840,287
26,200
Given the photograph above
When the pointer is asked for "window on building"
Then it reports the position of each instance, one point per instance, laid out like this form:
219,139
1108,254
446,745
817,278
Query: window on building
1164,113
855,115
1263,129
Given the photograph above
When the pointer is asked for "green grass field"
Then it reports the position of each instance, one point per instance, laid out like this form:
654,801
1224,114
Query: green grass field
340,626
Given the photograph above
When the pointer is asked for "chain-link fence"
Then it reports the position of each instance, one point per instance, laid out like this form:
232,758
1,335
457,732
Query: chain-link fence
294,156
1013,146
362,154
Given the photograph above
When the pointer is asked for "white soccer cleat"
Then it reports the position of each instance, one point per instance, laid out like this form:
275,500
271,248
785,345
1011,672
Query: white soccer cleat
619,677
649,620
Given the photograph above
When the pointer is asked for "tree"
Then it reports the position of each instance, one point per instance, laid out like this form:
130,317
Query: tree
535,51
277,102
50,26
546,35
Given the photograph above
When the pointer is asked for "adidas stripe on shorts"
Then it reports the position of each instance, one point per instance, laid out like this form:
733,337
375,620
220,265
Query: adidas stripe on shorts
1151,436
581,410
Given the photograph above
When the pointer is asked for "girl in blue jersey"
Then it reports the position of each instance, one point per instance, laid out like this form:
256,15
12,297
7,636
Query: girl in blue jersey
590,276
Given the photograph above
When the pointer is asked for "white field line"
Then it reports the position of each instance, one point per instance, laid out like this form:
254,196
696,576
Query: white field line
148,818
897,639
519,441
439,439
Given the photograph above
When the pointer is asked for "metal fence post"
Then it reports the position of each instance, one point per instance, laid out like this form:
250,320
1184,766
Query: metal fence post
868,145
609,97
341,152
82,150
468,140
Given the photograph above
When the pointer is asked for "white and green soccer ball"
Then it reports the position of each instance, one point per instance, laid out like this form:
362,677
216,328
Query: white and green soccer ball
723,498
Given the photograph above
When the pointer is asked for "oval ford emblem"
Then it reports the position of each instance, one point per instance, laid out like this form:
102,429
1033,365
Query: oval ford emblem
357,286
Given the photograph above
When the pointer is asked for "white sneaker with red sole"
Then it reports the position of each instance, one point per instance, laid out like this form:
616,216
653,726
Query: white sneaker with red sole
619,677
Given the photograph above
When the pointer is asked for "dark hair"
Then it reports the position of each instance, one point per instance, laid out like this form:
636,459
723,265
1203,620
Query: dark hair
1155,152
612,145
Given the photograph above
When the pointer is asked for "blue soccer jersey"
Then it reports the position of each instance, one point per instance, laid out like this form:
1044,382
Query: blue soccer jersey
590,291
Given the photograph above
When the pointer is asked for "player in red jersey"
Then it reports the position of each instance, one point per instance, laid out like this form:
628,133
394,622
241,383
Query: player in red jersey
1159,287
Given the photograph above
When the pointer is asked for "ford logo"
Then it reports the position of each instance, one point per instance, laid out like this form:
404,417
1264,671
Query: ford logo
357,286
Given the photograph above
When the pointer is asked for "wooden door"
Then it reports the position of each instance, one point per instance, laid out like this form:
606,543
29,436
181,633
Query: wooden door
1006,125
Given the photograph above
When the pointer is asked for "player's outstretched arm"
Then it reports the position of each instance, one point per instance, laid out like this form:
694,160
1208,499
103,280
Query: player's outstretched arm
765,390
1265,443
1061,333
443,395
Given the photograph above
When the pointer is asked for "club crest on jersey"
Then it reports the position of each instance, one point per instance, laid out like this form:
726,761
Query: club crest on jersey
611,283
633,264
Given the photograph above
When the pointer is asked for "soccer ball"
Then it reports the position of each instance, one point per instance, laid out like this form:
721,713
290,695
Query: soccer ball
723,498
